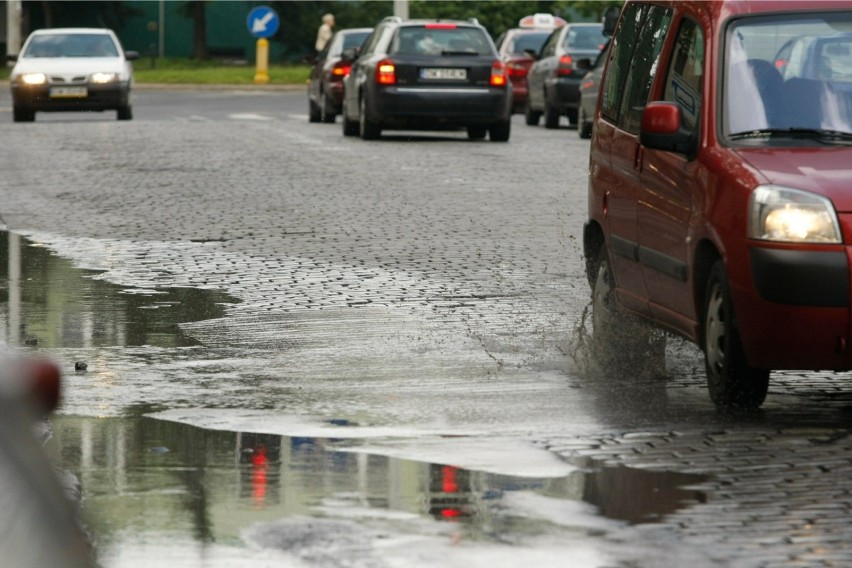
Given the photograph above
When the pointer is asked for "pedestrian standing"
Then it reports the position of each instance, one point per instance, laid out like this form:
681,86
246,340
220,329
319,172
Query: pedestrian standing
324,32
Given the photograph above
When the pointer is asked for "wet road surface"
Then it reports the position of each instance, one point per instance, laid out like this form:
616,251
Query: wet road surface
374,360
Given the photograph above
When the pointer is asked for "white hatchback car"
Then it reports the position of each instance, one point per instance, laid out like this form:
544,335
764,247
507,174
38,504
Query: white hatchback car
71,69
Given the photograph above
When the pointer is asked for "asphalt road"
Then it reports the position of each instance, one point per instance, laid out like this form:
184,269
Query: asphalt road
419,298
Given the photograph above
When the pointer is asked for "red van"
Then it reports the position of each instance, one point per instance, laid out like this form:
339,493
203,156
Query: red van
720,189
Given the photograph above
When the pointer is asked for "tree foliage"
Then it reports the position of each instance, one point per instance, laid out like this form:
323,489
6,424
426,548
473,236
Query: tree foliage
300,20
45,14
196,10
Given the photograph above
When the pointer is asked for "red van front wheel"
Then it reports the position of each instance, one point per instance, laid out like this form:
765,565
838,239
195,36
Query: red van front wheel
731,381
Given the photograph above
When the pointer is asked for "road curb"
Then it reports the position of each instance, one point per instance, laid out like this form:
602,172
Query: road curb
214,87
202,87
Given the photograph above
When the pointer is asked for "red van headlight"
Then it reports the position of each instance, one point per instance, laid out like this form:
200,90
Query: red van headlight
778,213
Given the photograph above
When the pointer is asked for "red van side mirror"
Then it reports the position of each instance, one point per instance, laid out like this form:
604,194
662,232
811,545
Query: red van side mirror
662,128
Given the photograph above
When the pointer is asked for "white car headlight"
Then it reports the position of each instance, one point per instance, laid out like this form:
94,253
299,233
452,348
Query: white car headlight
779,213
33,79
104,77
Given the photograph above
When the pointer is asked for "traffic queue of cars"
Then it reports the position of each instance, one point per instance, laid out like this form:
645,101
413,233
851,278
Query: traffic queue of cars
718,202
719,206
449,74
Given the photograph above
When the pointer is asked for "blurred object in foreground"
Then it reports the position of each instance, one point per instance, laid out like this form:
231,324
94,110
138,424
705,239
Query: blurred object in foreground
38,523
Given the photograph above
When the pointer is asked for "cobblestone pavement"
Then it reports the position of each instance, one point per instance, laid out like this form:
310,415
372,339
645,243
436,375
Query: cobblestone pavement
479,241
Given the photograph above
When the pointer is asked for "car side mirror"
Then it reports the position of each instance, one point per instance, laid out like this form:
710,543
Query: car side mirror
610,19
584,64
662,129
12,57
532,53
131,55
351,54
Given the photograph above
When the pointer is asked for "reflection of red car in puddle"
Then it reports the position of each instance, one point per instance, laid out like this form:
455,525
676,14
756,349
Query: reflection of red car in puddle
450,493
259,454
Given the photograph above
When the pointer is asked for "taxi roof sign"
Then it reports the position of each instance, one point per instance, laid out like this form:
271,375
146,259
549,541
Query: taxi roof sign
541,22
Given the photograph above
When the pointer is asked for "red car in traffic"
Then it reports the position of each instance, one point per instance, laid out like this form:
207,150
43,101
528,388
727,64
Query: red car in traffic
517,48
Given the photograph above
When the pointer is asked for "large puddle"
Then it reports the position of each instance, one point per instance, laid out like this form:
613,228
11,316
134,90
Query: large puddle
144,474
140,474
47,302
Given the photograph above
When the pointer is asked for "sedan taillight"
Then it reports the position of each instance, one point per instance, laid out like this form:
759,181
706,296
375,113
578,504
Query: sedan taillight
340,70
386,72
566,66
517,70
498,74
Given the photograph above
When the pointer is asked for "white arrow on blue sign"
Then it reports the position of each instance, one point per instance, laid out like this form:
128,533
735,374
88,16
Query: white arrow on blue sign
263,22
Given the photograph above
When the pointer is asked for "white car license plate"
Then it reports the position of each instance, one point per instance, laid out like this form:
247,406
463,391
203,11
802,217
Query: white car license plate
68,92
440,73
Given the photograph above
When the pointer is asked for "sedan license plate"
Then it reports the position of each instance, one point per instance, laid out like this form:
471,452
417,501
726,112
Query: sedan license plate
68,92
441,73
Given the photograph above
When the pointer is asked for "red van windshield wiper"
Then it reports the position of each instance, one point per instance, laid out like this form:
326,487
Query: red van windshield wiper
815,133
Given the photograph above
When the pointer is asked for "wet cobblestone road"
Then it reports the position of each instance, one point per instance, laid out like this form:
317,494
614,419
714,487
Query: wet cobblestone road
446,253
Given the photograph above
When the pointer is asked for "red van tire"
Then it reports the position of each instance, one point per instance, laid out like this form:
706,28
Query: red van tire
732,383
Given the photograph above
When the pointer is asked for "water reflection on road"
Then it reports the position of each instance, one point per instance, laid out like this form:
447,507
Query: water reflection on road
141,475
46,302
150,480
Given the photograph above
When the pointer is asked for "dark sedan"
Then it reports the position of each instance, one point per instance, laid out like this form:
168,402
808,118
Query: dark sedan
554,79
428,75
325,86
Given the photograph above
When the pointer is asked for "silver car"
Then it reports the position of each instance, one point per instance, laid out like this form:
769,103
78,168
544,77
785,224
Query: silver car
71,69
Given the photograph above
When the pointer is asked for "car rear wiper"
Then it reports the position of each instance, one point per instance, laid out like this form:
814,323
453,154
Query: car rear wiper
451,52
815,133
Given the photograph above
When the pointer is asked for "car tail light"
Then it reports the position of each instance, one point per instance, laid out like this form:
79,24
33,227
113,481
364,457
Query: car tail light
566,66
340,70
517,70
440,26
498,74
386,72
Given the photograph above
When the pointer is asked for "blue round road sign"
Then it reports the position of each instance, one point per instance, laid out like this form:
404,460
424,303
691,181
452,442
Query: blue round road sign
263,22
